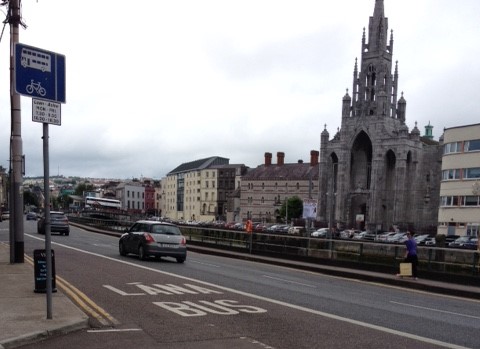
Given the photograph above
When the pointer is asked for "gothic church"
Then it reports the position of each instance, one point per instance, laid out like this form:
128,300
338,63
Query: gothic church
375,174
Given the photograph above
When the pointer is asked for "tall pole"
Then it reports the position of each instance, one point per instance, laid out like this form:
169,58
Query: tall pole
48,243
16,140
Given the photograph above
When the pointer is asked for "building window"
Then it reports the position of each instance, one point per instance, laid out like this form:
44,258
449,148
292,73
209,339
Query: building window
451,174
446,201
471,200
472,145
473,229
455,147
472,173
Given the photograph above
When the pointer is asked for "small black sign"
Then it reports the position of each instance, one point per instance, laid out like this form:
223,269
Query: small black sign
40,267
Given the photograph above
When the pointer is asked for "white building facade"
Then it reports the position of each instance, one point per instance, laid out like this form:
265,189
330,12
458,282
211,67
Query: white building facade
132,196
459,212
198,190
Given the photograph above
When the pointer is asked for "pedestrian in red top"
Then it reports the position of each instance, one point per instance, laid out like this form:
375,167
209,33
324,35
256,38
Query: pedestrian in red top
249,226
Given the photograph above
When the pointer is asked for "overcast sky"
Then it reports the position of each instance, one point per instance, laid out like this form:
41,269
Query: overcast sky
153,84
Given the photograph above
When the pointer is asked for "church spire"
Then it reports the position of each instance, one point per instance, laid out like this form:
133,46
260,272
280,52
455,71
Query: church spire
374,86
378,29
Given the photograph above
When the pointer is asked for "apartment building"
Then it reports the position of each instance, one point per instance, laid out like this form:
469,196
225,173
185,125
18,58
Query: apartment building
198,190
459,211
265,188
131,196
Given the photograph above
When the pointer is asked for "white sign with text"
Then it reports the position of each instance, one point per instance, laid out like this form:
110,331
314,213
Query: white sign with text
46,112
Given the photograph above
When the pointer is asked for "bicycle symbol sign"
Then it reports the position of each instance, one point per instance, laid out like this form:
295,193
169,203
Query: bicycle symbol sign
39,73
35,86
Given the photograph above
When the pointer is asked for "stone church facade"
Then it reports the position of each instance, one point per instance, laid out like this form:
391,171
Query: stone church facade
375,174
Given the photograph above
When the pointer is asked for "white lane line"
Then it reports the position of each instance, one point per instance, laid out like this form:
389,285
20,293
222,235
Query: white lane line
436,310
273,301
115,330
288,281
202,263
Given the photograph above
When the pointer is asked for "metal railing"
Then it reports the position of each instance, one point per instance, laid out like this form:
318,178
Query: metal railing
445,262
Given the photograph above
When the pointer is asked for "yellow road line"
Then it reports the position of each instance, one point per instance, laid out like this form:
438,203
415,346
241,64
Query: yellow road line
82,300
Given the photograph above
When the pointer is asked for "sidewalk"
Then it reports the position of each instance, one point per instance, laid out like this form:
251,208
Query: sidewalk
23,313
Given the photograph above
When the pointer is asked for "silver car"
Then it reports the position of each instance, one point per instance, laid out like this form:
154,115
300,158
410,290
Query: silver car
153,238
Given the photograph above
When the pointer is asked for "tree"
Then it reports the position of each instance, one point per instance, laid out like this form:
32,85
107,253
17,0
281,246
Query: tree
295,208
83,187
30,199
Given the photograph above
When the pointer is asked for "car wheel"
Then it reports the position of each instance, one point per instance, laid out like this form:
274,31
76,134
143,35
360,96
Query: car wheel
121,249
180,260
141,253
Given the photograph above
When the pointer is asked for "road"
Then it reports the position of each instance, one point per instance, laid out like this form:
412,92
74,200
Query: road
215,302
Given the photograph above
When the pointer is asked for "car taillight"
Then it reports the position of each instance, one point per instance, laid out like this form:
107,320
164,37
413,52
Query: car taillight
183,242
148,238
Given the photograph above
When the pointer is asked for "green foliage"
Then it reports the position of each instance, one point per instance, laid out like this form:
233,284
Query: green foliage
295,208
62,201
83,187
30,199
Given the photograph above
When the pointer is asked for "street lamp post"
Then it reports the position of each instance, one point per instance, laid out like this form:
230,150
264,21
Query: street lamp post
286,210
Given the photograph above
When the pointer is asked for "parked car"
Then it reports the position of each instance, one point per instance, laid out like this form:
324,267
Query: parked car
58,223
158,239
462,242
296,230
359,235
370,236
397,238
346,234
320,233
383,237
450,238
420,239
31,216
5,215
471,244
430,241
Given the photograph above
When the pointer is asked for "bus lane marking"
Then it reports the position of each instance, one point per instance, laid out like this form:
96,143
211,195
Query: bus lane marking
435,310
188,308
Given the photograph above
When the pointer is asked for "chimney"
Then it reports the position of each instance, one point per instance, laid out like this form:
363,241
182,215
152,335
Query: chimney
280,158
314,157
268,159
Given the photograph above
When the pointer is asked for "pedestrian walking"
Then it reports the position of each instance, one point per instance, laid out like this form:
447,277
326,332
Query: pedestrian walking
411,253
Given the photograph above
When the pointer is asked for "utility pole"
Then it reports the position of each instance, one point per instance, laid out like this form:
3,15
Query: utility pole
16,178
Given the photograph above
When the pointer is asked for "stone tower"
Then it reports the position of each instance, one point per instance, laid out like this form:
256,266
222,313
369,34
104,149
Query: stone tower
374,173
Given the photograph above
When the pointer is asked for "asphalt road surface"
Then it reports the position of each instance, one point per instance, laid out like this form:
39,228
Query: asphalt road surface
215,302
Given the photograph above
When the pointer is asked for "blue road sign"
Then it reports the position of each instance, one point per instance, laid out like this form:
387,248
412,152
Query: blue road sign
39,73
